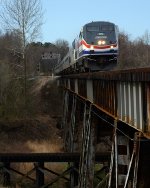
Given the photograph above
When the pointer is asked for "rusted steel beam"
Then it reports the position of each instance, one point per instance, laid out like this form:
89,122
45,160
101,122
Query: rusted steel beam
12,171
136,75
48,157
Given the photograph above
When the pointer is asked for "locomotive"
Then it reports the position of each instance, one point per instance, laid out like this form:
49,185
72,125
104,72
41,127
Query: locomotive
95,48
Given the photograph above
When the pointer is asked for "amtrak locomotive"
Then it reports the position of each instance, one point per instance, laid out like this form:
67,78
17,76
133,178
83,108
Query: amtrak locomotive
96,48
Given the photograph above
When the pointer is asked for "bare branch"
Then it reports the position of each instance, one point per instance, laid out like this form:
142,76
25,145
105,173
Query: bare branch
23,15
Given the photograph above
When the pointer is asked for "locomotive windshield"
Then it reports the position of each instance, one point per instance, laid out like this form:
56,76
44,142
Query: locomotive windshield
107,28
93,33
100,28
92,28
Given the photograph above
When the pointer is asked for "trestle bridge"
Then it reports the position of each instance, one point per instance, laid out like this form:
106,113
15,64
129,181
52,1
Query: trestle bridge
106,123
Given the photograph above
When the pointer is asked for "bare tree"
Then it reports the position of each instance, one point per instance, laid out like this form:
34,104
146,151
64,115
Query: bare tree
25,16
62,46
22,15
146,40
134,53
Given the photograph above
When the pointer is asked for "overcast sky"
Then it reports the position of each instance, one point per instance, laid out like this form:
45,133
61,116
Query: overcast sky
64,18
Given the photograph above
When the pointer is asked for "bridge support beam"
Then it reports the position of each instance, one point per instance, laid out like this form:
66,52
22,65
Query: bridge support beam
65,114
112,158
134,162
39,174
72,124
74,175
120,156
6,175
69,122
86,171
124,162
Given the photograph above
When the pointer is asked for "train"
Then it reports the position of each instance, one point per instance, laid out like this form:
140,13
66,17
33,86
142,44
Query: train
94,49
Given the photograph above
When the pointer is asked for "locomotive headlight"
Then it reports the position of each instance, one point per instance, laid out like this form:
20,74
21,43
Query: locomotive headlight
101,42
111,47
92,47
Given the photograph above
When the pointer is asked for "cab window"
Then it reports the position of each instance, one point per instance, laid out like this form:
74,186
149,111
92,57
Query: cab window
107,28
93,28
